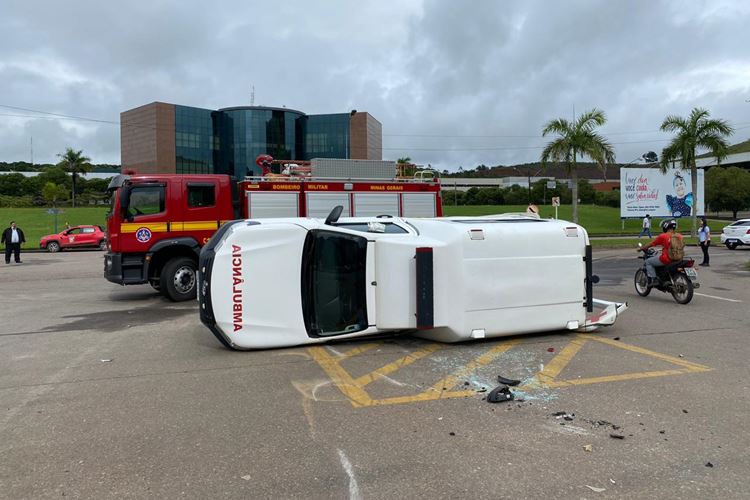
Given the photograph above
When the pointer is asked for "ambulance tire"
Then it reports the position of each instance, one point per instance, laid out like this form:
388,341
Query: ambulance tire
178,279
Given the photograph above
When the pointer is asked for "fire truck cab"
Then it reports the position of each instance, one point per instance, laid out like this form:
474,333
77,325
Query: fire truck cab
159,222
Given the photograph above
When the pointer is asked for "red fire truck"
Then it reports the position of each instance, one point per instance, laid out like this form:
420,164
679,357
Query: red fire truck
159,222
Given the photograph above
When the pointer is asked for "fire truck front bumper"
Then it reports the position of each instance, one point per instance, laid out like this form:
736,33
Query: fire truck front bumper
130,269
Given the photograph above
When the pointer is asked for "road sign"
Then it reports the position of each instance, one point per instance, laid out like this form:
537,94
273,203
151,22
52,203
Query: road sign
551,184
555,201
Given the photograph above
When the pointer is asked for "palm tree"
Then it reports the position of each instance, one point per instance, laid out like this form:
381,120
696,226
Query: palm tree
577,138
693,132
74,162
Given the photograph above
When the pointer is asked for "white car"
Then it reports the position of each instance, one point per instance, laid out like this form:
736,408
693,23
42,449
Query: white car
284,282
736,234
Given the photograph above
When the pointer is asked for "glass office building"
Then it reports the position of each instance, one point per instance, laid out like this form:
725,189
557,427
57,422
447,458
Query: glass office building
161,137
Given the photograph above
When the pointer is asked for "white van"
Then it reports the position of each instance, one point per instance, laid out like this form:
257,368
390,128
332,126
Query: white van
285,282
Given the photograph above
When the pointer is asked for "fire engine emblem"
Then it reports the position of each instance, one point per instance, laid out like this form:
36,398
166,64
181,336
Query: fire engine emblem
143,234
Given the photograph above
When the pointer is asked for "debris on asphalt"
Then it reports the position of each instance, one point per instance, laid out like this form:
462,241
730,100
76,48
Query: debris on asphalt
617,338
709,464
550,349
507,381
564,415
684,411
616,436
105,360
500,394
588,447
612,481
662,432
595,489
247,478
451,433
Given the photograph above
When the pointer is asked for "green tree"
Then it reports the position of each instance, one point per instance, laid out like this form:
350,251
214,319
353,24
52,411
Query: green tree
52,192
586,192
75,163
728,189
12,184
578,138
693,133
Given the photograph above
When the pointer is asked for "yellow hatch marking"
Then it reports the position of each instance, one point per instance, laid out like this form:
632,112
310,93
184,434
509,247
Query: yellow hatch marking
354,387
396,365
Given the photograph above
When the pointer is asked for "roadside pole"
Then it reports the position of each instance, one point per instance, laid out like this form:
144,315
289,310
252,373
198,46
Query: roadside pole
55,212
556,203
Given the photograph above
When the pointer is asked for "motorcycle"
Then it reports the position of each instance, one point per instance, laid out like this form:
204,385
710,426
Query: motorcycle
678,278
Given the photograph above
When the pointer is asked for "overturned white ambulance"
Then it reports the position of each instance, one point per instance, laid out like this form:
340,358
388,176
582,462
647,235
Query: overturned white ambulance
284,282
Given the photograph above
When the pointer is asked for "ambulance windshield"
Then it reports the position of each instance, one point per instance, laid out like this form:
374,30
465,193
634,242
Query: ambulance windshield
334,298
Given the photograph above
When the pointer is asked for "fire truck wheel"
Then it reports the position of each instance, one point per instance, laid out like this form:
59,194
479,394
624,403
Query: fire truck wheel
177,281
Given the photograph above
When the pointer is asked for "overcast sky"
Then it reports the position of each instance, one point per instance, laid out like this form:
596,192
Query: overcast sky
454,83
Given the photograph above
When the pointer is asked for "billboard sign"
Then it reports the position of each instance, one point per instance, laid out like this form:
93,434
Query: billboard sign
648,191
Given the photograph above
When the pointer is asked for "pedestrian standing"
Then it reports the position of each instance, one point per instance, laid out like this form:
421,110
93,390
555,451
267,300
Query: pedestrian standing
704,240
646,226
13,237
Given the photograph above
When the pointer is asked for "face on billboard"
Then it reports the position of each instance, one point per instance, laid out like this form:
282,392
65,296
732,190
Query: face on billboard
679,186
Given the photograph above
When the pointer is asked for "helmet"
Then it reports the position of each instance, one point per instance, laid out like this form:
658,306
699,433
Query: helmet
668,224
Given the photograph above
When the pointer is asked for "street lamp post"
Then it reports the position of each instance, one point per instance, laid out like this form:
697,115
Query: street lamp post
528,181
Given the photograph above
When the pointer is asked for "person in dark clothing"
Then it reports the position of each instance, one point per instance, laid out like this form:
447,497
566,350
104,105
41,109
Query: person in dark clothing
704,238
13,237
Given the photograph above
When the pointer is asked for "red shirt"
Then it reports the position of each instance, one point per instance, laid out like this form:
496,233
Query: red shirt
663,240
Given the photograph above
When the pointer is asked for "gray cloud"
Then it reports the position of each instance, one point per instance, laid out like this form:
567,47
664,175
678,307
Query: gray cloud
447,79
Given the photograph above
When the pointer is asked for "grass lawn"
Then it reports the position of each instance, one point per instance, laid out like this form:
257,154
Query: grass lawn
36,222
597,220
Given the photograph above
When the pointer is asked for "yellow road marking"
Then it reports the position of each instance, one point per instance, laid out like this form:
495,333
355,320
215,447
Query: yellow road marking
451,380
359,350
340,377
657,355
617,378
354,388
396,365
559,362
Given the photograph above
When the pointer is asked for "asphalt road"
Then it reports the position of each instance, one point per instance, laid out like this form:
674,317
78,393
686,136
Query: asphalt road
108,391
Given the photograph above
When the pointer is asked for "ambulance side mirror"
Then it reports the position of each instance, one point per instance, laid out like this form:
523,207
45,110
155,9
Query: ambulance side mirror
333,217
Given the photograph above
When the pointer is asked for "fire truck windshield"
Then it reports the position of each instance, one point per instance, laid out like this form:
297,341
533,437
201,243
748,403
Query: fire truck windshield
334,300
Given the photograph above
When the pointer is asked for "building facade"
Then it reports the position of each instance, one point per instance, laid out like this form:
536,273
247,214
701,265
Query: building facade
169,138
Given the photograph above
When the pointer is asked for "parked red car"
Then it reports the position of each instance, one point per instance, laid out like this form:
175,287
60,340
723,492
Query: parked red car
75,237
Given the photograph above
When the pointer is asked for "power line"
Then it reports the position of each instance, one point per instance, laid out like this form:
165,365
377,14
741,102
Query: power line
61,116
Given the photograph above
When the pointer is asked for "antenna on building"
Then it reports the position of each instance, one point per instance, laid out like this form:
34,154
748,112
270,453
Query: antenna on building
252,95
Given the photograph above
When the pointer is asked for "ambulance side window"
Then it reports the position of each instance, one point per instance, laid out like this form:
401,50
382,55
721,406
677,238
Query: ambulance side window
146,200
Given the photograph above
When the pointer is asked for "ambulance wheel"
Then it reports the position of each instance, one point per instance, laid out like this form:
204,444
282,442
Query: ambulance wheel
177,281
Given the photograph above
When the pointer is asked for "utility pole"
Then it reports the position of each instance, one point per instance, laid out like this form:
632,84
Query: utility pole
32,150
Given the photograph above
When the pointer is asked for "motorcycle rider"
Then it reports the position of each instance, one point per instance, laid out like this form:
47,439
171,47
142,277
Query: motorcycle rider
668,228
